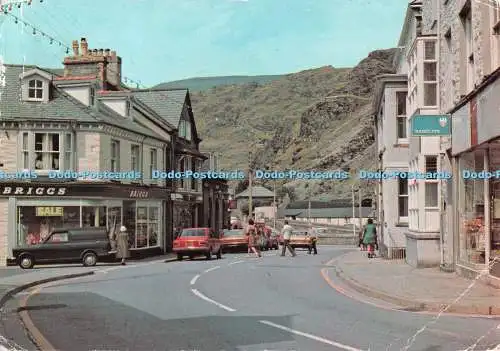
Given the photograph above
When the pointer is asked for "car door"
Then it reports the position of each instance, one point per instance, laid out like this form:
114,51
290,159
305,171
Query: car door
55,248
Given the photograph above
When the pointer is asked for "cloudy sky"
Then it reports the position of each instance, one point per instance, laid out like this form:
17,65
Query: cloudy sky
165,40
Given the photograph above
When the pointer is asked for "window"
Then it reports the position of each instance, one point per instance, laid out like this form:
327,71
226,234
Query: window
194,168
35,89
496,18
403,199
143,223
135,158
47,151
431,185
115,156
430,73
182,129
431,164
468,53
188,130
401,114
68,151
153,161
25,151
94,216
59,238
182,169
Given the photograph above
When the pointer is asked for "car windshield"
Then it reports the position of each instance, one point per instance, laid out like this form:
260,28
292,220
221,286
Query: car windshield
193,232
233,233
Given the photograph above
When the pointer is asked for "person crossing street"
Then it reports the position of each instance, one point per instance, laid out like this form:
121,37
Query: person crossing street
287,235
313,237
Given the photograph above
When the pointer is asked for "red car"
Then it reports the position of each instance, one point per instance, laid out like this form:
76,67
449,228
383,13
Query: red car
193,242
234,239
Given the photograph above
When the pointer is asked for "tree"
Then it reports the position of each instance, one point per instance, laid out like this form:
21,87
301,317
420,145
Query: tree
241,186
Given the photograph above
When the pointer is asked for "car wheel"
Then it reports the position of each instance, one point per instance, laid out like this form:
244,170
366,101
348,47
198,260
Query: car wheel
26,262
179,257
209,255
89,259
219,254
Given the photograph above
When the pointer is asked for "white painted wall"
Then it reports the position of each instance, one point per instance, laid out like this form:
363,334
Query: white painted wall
81,93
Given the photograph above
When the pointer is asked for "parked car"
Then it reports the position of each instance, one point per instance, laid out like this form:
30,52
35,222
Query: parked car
67,245
193,242
234,239
299,239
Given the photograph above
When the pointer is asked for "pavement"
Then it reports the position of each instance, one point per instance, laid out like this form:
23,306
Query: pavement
422,289
236,303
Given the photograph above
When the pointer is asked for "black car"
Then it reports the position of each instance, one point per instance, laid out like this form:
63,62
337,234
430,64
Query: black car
85,245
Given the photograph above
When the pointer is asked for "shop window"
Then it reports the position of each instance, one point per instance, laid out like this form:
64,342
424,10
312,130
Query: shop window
94,216
114,221
115,156
47,151
35,223
143,224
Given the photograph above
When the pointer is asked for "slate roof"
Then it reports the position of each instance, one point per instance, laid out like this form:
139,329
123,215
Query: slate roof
168,104
61,107
338,203
339,212
257,191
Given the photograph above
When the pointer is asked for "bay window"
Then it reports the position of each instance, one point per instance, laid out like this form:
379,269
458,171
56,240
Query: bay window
401,115
153,161
115,156
47,151
135,158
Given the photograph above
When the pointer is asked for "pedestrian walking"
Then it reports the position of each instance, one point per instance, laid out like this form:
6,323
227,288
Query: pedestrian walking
287,235
122,245
313,239
370,237
251,234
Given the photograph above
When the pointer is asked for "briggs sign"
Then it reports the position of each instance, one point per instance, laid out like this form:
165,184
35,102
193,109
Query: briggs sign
32,190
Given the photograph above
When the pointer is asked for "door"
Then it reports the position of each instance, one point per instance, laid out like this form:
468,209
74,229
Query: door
56,248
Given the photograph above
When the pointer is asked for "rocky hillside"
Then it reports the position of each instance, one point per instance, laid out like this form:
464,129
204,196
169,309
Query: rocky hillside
204,83
317,119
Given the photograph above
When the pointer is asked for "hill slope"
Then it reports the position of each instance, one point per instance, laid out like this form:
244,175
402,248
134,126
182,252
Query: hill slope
317,119
205,83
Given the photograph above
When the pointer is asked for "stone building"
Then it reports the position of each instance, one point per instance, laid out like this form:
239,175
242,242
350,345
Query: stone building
109,140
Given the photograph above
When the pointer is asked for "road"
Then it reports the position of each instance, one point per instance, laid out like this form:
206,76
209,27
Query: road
237,303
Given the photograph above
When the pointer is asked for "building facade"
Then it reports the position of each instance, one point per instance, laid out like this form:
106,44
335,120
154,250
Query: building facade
470,46
81,150
392,147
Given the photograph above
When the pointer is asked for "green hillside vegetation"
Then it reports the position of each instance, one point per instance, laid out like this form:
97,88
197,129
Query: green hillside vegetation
318,119
205,83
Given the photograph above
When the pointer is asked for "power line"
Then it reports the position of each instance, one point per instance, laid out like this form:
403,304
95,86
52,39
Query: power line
53,41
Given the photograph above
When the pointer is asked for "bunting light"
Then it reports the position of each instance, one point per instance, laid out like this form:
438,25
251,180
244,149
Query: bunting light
51,41
8,5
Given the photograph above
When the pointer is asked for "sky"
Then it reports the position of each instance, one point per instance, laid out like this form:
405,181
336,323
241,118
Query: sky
167,40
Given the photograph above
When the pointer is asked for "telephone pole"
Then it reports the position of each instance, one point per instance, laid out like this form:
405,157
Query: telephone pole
250,185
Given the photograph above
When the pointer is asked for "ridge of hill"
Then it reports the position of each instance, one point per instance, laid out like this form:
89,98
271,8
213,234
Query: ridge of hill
205,83
317,119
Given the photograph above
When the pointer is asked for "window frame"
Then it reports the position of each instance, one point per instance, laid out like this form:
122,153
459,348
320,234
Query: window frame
433,182
47,151
135,153
399,117
114,158
153,162
35,89
403,196
426,83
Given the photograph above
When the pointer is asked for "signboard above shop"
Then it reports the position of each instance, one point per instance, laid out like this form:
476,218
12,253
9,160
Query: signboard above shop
430,125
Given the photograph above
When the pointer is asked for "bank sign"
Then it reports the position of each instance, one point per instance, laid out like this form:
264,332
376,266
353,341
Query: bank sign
431,125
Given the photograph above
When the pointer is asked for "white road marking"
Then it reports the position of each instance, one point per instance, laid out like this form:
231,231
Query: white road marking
203,297
235,262
195,278
310,336
211,269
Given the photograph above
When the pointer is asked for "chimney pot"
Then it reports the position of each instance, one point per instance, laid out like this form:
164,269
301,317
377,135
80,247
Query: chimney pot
107,52
101,52
94,52
75,47
84,46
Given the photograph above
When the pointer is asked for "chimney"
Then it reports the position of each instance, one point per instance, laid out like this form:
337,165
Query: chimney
84,46
107,52
94,52
75,48
101,52
114,69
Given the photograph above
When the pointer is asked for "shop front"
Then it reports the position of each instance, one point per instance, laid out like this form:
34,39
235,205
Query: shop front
476,158
33,210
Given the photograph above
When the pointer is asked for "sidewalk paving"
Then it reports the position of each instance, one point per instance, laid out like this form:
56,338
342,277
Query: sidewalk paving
422,289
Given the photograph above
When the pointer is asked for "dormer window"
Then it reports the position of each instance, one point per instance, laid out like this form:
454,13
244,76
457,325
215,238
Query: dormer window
35,85
35,89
